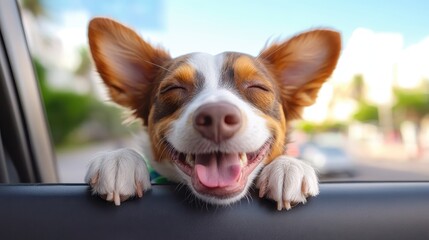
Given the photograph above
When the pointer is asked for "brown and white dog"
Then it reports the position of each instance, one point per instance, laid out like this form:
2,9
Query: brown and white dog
215,123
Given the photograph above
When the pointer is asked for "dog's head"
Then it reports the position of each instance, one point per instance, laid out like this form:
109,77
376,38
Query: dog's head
213,121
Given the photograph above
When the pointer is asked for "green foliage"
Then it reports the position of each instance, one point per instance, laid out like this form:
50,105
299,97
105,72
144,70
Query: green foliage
366,113
414,100
408,103
67,111
307,127
40,72
327,126
34,6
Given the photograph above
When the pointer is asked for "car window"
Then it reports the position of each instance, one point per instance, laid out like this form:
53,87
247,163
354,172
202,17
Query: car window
373,112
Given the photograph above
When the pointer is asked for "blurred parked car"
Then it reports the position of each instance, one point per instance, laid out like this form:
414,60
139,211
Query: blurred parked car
327,160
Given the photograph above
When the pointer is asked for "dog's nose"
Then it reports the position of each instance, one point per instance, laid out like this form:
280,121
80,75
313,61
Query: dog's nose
217,121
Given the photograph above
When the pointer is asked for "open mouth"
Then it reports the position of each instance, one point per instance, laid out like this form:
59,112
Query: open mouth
219,174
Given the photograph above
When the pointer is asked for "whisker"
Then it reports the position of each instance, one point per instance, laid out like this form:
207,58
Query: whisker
157,65
179,186
166,149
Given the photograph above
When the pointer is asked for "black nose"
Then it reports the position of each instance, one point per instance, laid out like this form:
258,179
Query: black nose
217,121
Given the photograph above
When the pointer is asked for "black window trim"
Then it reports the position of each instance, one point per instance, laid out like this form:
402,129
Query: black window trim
33,153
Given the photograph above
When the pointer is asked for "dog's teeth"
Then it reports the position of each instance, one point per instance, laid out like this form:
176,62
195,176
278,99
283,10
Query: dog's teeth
189,159
243,158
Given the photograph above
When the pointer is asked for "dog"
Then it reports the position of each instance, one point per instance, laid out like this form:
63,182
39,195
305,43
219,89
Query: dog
215,123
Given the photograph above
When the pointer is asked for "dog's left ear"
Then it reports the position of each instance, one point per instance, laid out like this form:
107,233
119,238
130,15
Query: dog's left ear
128,65
301,65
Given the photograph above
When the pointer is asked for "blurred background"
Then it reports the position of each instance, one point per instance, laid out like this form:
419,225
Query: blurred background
371,120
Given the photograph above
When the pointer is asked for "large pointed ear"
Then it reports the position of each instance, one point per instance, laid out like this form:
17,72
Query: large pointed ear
127,64
301,65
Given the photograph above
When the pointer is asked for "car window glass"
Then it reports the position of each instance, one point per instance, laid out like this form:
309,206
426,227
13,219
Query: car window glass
370,122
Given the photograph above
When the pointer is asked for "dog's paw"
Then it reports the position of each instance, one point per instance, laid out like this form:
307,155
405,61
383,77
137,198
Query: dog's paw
118,175
287,181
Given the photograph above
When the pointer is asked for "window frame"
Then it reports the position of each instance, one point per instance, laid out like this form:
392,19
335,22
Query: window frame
25,133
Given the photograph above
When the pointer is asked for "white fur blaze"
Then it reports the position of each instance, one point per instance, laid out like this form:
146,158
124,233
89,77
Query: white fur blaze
118,175
287,180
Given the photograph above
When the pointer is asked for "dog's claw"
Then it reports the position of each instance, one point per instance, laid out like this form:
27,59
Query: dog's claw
109,197
139,189
279,206
284,205
262,190
287,205
117,198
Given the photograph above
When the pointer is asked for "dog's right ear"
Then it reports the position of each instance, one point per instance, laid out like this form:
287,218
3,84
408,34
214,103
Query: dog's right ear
127,64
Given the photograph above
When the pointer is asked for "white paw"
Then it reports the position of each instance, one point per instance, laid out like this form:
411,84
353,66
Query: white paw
118,175
287,181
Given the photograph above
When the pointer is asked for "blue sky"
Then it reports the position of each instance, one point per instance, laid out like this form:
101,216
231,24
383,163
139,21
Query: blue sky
142,13
270,17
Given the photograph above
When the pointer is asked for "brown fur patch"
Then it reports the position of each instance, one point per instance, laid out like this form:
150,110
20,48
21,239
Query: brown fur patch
185,73
245,69
278,128
175,90
157,132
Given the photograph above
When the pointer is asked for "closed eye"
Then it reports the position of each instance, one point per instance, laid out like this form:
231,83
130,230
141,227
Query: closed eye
259,87
170,88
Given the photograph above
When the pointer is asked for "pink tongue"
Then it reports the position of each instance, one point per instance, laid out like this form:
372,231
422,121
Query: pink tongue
217,170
